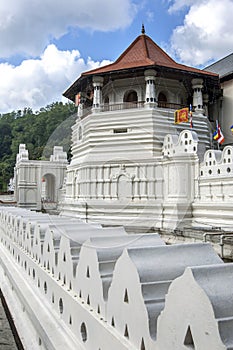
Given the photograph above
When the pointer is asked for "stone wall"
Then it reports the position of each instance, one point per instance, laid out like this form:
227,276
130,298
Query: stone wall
79,286
38,181
213,204
122,177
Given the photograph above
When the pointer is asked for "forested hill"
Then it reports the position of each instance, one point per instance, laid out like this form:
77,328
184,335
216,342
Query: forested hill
40,131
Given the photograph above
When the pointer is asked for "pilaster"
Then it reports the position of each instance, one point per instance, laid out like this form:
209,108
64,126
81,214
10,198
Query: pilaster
197,85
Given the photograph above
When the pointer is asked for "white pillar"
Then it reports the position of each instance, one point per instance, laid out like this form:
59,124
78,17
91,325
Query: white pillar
197,85
205,104
97,98
150,98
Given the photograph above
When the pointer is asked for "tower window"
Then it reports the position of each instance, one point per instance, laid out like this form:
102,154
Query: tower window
120,131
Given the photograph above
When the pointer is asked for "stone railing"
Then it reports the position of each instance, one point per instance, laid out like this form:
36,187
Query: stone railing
130,105
78,286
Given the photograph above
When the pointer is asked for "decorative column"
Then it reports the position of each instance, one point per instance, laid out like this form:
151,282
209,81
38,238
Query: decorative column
205,104
150,99
197,85
97,98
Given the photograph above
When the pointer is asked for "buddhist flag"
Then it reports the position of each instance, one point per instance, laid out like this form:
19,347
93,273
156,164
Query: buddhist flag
218,135
191,116
221,139
181,115
231,129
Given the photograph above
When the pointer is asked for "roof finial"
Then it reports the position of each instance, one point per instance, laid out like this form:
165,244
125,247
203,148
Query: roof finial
143,29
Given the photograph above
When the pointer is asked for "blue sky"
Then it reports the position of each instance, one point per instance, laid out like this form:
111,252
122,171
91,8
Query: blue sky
110,44
46,45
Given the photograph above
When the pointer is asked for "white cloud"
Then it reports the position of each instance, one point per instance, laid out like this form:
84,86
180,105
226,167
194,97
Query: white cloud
177,5
206,33
38,82
26,26
150,16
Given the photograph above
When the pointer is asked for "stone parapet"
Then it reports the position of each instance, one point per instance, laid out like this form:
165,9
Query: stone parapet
80,286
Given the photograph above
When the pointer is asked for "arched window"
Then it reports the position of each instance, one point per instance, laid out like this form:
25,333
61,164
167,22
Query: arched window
106,103
162,100
130,97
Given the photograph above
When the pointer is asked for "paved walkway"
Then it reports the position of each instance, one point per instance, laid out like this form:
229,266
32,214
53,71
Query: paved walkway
7,340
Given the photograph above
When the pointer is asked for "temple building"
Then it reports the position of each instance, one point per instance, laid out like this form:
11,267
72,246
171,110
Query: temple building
72,283
119,171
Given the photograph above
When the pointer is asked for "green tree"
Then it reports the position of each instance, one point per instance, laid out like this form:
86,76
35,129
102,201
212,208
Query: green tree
39,130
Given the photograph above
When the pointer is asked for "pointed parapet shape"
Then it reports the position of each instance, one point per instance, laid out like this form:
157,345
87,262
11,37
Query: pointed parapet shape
40,231
6,220
198,313
217,163
23,153
22,217
16,228
46,240
58,155
140,282
10,221
52,237
22,222
98,257
51,247
70,245
28,232
185,143
38,240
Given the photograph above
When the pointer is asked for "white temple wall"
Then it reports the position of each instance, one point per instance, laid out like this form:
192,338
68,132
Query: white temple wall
29,191
116,181
138,190
226,112
213,204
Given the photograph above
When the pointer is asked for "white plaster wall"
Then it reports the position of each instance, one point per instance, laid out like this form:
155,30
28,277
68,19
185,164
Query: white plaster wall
153,269
213,203
226,118
29,174
130,189
98,257
54,303
191,309
51,315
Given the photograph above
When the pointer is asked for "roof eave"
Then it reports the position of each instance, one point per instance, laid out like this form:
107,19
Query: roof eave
226,77
180,69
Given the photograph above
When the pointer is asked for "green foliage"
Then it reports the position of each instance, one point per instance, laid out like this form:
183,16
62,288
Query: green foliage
40,131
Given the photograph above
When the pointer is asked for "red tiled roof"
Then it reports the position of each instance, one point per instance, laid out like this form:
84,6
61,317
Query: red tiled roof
144,52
